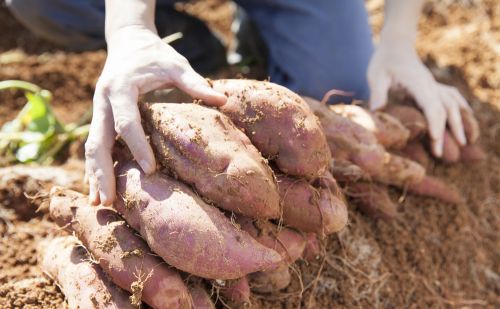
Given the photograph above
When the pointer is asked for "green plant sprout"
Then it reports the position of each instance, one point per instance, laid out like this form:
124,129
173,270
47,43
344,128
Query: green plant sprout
36,135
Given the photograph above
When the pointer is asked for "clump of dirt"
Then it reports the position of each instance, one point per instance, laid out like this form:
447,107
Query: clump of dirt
432,255
31,293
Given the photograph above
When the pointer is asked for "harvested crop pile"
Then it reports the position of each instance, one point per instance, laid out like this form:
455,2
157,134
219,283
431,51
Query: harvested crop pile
433,255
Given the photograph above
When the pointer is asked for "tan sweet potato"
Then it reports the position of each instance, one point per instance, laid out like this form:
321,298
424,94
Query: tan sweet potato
399,171
472,153
348,140
84,284
451,149
415,151
287,242
372,199
186,232
236,292
389,132
279,123
312,251
411,118
123,255
270,281
346,171
200,298
433,187
311,208
203,148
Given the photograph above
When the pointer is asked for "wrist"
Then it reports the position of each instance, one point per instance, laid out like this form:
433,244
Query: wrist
130,33
394,35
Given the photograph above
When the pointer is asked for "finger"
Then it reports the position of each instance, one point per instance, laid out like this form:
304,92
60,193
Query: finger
457,96
197,87
98,161
379,88
93,192
455,119
127,124
427,97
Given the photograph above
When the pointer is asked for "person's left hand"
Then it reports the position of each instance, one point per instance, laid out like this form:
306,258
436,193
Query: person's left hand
399,65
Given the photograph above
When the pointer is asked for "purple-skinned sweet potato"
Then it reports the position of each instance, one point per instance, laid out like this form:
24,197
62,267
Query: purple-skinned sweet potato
346,171
200,298
415,151
311,208
270,281
410,117
348,140
399,171
472,153
389,132
434,187
202,147
312,251
372,199
236,292
185,231
84,284
287,242
279,123
451,149
123,255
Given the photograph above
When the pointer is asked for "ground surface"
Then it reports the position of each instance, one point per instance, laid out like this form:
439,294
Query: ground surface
432,255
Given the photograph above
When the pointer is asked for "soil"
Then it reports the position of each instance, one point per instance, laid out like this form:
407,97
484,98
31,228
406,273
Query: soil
432,255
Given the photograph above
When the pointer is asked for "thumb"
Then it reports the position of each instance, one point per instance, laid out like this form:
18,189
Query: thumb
197,87
379,88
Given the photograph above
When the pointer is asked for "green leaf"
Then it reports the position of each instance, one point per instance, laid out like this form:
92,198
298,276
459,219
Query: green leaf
37,118
28,152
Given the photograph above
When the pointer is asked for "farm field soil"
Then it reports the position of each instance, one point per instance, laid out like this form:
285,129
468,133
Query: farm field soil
432,255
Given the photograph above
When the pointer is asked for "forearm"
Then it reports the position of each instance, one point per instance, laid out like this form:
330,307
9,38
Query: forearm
401,21
121,14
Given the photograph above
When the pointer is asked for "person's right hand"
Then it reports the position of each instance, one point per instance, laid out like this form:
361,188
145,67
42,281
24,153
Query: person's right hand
138,62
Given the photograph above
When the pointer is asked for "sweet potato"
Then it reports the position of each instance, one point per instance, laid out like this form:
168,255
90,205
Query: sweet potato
312,251
200,298
415,151
411,118
236,292
123,255
433,187
399,171
279,123
309,208
471,126
389,132
348,140
84,285
372,199
287,242
186,232
203,148
270,281
451,149
472,153
346,171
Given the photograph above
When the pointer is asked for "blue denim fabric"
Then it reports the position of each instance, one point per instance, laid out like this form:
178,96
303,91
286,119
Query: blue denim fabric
314,45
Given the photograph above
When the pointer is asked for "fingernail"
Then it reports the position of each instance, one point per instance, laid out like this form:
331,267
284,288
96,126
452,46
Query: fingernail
146,166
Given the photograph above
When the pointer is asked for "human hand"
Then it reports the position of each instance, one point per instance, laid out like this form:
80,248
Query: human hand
138,62
397,64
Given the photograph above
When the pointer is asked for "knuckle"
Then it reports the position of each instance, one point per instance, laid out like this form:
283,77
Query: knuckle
124,126
91,149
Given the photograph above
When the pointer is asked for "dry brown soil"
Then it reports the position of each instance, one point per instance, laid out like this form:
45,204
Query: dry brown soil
432,255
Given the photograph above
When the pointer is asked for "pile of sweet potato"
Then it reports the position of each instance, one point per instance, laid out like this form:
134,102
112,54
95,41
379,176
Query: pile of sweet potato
241,194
